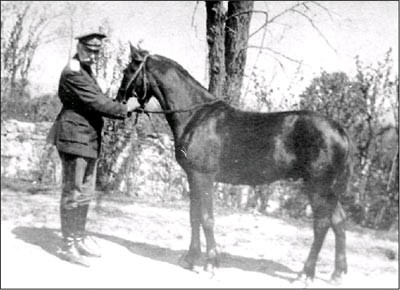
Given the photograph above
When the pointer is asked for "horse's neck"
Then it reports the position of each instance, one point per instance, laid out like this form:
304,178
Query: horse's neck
179,95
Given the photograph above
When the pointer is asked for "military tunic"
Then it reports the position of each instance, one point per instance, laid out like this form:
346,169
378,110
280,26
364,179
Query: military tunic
77,134
77,129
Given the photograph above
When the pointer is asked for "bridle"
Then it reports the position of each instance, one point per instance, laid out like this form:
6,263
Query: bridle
143,101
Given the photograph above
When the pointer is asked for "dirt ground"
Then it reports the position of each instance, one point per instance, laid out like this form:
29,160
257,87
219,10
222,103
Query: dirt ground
142,243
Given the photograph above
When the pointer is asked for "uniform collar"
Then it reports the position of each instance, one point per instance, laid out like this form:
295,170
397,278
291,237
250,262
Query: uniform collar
86,67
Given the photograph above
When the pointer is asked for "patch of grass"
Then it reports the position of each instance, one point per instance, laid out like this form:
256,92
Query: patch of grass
23,208
391,235
27,186
110,211
122,198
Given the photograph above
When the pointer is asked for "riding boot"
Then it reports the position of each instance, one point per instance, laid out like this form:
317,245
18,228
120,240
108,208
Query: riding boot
82,212
69,252
85,244
68,221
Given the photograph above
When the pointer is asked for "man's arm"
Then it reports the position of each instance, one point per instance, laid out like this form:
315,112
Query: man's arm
92,97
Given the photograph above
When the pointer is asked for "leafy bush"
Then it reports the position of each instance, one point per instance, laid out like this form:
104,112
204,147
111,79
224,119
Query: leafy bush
362,104
40,109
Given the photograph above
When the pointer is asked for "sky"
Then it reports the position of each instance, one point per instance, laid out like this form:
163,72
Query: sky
177,29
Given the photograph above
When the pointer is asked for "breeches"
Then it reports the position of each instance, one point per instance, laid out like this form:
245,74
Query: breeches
78,180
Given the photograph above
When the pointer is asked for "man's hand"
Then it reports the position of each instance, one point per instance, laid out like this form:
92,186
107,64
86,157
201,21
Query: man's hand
132,104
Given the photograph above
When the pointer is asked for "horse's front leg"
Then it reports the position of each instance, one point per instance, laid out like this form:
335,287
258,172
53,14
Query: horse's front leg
188,260
201,212
205,183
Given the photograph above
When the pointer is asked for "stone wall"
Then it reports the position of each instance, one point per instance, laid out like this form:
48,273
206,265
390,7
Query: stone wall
154,172
25,153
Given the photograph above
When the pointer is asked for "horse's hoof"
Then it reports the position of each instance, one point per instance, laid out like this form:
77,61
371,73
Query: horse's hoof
209,270
208,267
303,281
184,263
336,280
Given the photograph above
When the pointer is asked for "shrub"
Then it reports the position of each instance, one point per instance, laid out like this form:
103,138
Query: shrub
40,109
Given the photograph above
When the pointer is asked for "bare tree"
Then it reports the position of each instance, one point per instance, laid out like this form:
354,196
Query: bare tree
215,41
228,36
25,26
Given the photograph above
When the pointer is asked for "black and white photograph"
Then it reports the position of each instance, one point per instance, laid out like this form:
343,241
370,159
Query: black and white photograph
200,144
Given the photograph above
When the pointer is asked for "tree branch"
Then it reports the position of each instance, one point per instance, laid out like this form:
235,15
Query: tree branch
258,54
330,13
393,168
287,10
262,26
384,130
324,8
194,12
316,28
248,12
276,52
291,9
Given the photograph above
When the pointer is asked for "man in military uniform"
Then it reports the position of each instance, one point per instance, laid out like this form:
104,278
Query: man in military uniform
77,136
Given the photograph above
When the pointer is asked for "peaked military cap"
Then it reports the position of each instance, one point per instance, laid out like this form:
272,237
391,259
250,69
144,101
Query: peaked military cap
92,40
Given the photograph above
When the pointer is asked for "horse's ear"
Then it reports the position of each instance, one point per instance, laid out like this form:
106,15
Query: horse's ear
135,53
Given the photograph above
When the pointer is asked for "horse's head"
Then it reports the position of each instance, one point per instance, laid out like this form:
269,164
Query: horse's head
135,82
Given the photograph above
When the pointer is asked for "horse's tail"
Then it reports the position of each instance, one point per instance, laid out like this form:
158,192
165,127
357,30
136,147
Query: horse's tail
342,182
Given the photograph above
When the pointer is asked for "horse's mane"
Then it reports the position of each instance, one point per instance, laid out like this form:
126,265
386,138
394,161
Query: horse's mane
180,69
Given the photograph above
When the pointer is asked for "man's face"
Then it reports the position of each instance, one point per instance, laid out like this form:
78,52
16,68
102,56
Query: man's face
87,55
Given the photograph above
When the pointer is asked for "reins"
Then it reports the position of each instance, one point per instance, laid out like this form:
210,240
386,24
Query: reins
195,107
142,110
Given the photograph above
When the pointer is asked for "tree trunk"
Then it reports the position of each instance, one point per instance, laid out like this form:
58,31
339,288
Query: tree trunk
227,38
236,38
216,49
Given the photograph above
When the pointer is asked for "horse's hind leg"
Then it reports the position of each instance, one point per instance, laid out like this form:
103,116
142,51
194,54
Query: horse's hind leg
323,204
338,226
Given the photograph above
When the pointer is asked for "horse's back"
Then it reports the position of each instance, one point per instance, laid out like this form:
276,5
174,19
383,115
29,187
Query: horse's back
263,147
243,147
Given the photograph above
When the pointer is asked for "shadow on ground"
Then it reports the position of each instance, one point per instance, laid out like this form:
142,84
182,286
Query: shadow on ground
50,241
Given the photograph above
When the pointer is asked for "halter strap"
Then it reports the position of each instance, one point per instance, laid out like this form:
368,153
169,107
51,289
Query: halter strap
136,74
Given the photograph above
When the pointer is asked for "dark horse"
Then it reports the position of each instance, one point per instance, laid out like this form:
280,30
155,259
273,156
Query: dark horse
215,142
